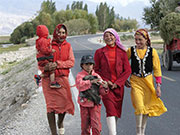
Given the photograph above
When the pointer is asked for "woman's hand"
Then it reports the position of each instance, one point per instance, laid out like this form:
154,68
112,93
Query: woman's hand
112,85
50,66
158,91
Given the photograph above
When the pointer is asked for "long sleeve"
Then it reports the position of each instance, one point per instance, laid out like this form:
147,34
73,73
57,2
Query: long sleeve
68,63
126,71
156,64
81,84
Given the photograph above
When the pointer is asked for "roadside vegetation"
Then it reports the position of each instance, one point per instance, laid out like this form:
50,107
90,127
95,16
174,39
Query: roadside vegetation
12,48
77,19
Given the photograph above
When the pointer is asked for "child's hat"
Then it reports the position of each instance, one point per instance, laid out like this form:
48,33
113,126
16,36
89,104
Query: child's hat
87,59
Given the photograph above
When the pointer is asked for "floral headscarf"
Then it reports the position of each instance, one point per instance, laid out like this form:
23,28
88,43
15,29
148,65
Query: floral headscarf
56,35
118,41
145,34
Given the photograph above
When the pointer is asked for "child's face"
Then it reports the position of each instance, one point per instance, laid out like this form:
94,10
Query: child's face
88,67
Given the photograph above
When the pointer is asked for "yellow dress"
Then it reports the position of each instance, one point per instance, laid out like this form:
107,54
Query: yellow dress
143,93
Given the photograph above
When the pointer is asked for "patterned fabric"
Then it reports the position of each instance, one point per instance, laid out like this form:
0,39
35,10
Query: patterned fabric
141,67
144,33
143,93
118,41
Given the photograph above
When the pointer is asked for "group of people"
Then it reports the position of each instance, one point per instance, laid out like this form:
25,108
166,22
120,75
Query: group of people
102,77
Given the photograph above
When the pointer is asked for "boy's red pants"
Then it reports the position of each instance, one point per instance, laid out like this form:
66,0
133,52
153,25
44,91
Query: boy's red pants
91,119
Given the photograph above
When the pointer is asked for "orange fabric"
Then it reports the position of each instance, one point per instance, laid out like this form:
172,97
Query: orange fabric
58,100
112,62
64,57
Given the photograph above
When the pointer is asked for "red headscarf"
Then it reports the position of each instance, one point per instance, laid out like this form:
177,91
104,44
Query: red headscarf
56,35
145,34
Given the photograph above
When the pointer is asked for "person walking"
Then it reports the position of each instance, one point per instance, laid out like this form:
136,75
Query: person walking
145,96
59,100
91,87
111,63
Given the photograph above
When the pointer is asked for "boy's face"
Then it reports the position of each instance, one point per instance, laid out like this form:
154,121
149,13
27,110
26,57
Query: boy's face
88,67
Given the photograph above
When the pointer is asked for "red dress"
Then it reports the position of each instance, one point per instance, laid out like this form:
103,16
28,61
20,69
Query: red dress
60,100
106,68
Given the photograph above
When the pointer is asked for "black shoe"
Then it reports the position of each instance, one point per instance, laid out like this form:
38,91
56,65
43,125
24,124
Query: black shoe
55,85
37,79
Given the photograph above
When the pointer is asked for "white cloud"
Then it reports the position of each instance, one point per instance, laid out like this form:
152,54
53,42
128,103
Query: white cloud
121,2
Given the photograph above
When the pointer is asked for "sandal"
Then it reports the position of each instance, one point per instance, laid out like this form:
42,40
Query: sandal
61,131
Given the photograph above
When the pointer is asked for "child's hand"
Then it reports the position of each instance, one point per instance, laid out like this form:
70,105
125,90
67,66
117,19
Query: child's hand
96,81
104,84
53,50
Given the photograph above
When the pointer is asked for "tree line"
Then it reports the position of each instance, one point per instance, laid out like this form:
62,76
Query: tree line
76,18
157,11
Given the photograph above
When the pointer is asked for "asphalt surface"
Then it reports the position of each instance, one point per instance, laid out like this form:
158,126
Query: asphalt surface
166,124
32,119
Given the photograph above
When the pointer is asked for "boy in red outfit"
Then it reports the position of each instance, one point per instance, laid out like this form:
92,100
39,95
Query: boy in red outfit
45,54
90,86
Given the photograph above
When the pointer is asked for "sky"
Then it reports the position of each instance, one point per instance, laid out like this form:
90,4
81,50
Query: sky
15,12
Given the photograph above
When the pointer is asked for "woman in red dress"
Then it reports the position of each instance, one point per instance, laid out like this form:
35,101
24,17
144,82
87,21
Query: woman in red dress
59,100
111,63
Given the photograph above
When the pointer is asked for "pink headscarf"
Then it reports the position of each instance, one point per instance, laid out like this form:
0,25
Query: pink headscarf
118,41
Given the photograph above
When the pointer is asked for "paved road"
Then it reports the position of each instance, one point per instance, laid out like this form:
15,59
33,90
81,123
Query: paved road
32,120
167,124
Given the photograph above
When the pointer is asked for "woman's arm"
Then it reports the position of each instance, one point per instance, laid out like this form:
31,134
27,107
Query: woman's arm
126,71
69,63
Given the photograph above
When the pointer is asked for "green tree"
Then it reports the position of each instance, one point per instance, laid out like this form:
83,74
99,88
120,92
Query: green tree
79,5
86,7
105,16
93,23
158,9
45,19
67,7
77,26
48,7
16,36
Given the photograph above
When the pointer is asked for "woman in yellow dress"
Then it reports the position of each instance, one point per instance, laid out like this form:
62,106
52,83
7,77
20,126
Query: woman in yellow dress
145,65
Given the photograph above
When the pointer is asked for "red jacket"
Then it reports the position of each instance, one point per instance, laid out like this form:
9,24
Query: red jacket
84,85
122,67
43,44
64,57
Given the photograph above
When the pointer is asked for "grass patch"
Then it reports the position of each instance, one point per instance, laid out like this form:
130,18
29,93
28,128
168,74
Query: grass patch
12,48
4,39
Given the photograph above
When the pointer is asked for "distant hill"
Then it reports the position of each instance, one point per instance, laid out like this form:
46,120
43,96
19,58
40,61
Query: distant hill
15,12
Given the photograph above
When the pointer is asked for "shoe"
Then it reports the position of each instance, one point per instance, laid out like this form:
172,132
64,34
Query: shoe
61,131
37,79
55,85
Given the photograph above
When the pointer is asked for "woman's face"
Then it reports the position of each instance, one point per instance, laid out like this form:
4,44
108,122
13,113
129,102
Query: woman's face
109,39
141,42
62,35
88,67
